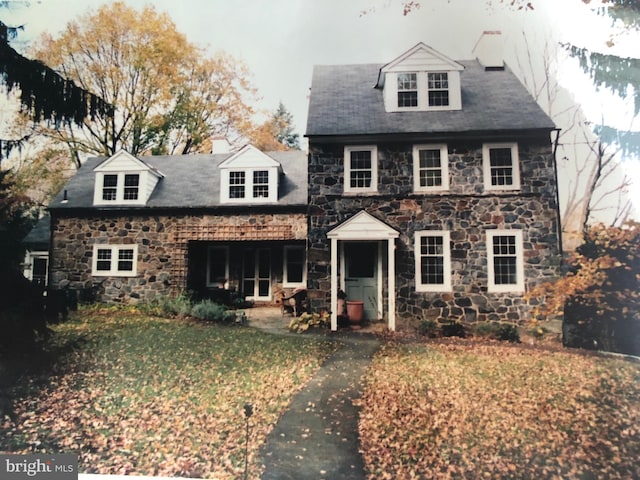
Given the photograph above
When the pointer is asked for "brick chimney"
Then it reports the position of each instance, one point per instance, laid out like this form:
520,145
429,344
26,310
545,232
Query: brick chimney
489,50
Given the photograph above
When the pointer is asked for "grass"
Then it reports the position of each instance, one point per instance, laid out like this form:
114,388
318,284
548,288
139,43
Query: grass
461,409
150,396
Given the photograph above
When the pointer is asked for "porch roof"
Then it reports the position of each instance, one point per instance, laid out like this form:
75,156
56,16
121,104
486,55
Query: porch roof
363,226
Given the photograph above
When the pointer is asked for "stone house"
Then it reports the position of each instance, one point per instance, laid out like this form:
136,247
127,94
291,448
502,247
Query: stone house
432,188
128,228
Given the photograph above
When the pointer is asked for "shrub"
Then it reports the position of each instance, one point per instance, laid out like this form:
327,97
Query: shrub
308,320
428,328
453,329
212,312
179,306
507,332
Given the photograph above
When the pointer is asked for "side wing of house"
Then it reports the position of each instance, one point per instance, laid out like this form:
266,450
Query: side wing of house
220,226
454,156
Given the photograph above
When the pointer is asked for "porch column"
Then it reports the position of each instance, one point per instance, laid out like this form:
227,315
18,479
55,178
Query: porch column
334,284
392,283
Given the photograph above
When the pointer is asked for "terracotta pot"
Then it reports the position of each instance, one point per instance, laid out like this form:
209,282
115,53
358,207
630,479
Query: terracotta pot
355,311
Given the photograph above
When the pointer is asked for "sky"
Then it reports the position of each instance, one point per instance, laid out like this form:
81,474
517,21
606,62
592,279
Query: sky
281,40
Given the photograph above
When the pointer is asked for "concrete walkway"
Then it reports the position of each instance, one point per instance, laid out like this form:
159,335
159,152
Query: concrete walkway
317,437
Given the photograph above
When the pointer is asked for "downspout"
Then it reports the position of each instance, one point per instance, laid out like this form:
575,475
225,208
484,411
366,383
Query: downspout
555,170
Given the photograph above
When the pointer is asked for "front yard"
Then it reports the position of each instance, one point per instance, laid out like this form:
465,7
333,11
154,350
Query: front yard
148,396
458,409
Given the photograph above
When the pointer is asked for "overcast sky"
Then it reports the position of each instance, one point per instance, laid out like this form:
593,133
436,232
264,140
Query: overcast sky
281,40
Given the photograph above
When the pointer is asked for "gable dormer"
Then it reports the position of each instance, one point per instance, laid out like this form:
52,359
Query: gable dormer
123,179
249,176
421,79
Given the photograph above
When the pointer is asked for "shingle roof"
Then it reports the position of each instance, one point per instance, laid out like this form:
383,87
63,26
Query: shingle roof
343,101
38,237
190,181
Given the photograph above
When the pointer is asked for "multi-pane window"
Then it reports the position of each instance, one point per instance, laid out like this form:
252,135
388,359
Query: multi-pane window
438,89
131,186
407,90
114,260
361,169
433,268
236,184
260,184
109,187
430,169
505,260
501,170
294,266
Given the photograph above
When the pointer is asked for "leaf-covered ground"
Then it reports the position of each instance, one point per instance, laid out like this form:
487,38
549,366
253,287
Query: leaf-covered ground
465,410
149,396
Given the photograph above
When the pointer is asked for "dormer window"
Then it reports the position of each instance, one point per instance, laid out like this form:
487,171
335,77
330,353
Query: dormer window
249,176
123,179
407,90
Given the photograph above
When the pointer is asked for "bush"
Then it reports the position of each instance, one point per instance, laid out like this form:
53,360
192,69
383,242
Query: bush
507,332
212,312
428,328
453,329
308,320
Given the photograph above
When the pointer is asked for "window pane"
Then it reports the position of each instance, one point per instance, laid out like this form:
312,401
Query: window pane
109,187
438,86
131,186
504,260
407,99
125,260
103,262
361,172
260,184
430,168
407,90
295,265
236,184
217,266
432,260
407,81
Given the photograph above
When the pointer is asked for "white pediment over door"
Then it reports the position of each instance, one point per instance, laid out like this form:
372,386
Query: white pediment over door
363,226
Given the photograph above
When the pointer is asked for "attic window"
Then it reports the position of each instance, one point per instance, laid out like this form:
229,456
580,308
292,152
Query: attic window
109,187
117,187
131,185
438,88
407,90
236,184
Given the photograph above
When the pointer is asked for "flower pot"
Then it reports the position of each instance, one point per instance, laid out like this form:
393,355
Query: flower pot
355,311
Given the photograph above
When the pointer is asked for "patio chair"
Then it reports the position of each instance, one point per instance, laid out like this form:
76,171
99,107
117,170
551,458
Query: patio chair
294,303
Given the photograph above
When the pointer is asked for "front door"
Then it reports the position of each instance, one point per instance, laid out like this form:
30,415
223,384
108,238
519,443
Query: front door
361,275
256,274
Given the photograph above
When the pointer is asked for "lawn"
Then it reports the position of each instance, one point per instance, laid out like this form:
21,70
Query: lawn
470,410
150,396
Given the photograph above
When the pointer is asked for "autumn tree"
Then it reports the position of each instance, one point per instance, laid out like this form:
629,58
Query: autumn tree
276,133
168,96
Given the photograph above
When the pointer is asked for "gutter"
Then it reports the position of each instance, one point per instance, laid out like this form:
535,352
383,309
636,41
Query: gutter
555,171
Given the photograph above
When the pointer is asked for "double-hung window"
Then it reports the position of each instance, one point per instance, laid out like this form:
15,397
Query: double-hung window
430,168
114,260
438,89
260,184
237,184
501,166
120,187
433,261
361,169
505,261
407,90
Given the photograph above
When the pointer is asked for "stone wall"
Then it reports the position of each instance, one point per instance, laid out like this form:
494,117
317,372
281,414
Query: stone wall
162,248
467,211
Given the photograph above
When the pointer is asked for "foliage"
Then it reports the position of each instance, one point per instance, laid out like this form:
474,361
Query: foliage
506,332
163,397
213,312
277,133
168,96
428,328
453,329
604,282
307,320
463,410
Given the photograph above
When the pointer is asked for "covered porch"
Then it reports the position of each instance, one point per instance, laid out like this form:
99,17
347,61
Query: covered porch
363,267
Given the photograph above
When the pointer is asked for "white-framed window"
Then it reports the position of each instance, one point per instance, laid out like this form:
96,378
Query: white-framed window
430,168
407,90
433,261
114,260
118,187
218,266
361,169
438,89
505,261
247,185
294,269
501,166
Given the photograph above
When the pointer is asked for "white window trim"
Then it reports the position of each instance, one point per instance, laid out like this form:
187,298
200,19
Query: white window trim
119,200
444,165
446,243
285,281
486,166
225,249
114,272
374,169
248,185
518,287
391,92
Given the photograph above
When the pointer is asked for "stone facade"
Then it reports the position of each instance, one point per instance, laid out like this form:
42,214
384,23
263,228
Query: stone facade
162,241
466,210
